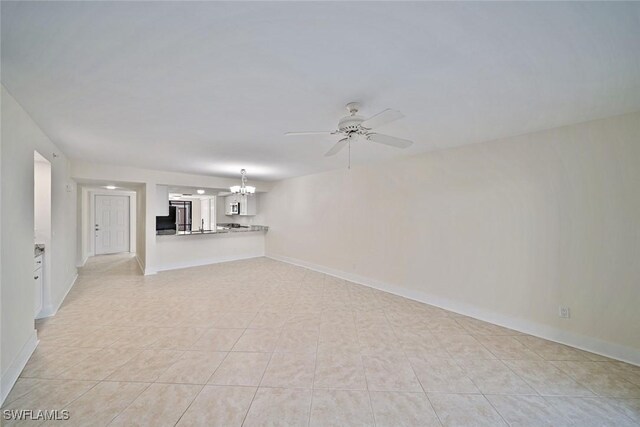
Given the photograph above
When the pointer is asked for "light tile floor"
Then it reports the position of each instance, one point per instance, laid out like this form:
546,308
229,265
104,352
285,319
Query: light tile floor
259,343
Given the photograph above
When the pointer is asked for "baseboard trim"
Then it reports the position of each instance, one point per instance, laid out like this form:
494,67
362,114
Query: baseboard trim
201,262
10,376
51,309
593,345
82,262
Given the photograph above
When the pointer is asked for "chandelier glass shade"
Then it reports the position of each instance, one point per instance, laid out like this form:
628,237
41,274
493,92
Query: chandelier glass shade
243,188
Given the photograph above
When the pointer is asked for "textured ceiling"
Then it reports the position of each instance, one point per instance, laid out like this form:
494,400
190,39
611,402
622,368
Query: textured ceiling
210,87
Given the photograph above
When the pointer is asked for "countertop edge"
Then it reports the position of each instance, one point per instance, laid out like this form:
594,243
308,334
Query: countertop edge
214,233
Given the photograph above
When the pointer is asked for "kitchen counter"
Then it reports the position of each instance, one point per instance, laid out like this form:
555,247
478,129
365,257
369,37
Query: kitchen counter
224,244
219,230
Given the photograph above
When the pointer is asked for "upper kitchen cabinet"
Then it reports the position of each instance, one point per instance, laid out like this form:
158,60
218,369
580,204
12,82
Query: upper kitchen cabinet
162,200
248,204
241,204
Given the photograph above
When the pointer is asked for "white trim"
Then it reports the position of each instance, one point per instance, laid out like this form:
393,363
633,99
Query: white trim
10,376
140,264
206,261
50,310
593,345
82,263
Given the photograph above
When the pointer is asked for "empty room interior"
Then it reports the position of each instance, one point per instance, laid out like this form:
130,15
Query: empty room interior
320,213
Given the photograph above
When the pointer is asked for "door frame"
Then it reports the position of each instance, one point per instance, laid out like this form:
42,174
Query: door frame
91,218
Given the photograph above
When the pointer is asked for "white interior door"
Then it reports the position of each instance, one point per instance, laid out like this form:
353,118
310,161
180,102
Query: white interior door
112,224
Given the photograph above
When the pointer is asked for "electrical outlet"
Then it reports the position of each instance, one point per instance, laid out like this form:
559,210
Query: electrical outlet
564,312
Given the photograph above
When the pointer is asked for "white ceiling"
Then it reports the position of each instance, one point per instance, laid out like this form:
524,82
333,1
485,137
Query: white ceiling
208,192
101,185
211,87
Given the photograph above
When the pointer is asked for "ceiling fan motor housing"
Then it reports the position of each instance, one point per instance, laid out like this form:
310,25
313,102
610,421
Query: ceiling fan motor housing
350,123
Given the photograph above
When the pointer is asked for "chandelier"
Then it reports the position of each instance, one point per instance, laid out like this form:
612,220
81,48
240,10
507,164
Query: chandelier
244,188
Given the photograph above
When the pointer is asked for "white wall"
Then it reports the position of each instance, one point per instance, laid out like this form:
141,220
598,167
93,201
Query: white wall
81,224
505,231
4,382
42,225
141,226
20,137
42,201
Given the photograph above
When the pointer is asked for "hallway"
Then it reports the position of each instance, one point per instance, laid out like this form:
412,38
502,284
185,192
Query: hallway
261,342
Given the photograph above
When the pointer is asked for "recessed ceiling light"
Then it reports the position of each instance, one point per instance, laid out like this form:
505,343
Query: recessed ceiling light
110,187
200,191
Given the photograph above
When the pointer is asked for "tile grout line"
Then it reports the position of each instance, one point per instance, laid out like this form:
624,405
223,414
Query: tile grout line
130,403
97,382
483,393
315,368
417,379
146,388
190,403
259,382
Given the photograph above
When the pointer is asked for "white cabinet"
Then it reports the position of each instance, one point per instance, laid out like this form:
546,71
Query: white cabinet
248,204
162,200
37,278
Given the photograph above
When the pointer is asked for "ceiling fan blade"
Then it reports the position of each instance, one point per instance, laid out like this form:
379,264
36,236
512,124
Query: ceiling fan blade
382,118
309,133
389,140
339,146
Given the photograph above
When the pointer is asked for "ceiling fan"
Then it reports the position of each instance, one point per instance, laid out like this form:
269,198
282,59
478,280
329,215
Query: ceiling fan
354,127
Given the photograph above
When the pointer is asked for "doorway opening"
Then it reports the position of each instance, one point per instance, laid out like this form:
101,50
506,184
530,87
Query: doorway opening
111,220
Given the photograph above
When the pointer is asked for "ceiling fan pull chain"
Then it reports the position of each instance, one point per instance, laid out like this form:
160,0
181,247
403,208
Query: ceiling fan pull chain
349,155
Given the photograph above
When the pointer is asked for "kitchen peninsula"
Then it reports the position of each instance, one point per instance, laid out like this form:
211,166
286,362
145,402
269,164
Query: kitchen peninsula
182,249
189,231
